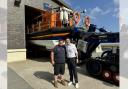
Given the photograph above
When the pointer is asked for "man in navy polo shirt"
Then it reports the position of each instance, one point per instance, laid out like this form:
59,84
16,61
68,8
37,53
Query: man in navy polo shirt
58,61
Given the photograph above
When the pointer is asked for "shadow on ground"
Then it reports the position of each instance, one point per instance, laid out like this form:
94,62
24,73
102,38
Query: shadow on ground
40,56
49,77
44,75
41,59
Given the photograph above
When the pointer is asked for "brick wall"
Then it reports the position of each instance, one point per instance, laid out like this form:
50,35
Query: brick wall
16,21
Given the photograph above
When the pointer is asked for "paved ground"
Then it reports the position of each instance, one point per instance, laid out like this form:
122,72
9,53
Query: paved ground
16,82
39,75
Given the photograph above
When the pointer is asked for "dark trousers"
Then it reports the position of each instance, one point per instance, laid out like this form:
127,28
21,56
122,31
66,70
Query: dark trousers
72,69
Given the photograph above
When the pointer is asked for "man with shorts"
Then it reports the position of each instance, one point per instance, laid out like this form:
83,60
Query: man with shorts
58,61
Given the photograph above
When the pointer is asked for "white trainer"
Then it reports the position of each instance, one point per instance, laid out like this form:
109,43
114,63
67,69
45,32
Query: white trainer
70,83
76,85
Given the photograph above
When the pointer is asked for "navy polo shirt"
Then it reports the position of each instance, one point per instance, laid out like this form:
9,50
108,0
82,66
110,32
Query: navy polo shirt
59,54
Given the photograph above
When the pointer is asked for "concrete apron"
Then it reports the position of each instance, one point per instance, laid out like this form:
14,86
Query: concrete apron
15,55
39,75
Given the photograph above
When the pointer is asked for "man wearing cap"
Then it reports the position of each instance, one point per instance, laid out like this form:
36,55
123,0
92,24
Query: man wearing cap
58,61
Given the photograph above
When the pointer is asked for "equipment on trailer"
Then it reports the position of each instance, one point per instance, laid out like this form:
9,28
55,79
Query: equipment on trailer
107,65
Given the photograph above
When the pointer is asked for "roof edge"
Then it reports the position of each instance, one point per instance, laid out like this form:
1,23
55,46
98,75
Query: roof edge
61,2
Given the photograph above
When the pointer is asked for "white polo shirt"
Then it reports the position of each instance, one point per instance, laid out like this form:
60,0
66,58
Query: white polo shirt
71,50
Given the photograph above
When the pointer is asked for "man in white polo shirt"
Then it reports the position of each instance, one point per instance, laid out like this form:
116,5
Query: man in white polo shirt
72,59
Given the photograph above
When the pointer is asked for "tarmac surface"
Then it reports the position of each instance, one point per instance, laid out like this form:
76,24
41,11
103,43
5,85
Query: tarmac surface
38,74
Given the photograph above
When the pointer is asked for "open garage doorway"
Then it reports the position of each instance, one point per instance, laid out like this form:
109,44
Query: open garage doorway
32,16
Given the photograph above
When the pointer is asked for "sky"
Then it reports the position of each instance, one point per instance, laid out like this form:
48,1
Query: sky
103,13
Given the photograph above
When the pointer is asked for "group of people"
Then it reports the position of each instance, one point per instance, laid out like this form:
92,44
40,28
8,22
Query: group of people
67,53
61,54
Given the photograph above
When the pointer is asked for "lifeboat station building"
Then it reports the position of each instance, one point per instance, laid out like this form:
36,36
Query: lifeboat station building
19,14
